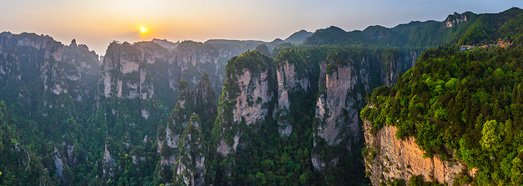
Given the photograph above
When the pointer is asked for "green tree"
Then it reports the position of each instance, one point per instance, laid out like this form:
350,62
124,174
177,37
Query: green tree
490,139
516,171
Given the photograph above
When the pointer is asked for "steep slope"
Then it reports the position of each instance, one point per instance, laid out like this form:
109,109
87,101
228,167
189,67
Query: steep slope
402,159
448,118
453,118
139,83
183,142
244,105
190,167
46,81
273,107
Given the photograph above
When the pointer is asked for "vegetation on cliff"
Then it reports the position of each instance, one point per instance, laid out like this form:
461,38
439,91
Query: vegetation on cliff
466,104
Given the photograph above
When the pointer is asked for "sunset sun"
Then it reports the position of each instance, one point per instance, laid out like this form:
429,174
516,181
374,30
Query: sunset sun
143,30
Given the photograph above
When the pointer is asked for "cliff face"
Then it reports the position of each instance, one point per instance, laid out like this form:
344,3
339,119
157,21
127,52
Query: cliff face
400,159
337,109
345,78
333,84
51,83
190,165
140,82
144,76
456,19
29,61
181,142
245,100
289,82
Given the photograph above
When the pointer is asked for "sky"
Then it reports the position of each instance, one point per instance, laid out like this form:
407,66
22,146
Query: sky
96,23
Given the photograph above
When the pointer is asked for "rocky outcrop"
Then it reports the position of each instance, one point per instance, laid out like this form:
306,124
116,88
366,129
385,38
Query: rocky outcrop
124,72
181,147
254,93
245,101
456,19
391,158
59,69
59,164
344,77
109,163
337,108
289,81
132,70
190,168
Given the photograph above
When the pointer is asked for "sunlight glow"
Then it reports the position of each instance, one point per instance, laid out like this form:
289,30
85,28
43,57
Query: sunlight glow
143,30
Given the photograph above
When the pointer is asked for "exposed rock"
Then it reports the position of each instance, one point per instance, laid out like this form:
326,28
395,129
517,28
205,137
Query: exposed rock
254,93
288,82
138,159
108,163
168,161
455,19
171,138
59,164
223,148
338,84
191,160
401,159
145,114
337,110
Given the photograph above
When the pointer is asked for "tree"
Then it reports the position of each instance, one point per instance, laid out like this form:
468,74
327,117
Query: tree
261,178
490,139
516,172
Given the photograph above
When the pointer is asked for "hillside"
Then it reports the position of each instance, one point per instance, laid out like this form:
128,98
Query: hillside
460,109
462,29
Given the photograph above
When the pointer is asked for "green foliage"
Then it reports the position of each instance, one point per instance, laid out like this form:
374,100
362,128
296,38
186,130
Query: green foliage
468,101
477,29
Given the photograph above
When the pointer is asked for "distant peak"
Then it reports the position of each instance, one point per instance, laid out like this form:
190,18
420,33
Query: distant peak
298,37
456,19
166,43
73,43
302,31
276,40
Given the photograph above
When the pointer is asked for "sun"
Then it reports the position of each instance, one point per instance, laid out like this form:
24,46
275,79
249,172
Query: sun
143,30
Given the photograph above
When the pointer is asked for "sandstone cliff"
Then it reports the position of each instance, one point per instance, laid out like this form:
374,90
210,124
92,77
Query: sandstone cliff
390,158
331,83
245,100
190,165
181,142
345,78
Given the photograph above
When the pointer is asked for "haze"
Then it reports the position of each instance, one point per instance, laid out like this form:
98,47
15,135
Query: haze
98,22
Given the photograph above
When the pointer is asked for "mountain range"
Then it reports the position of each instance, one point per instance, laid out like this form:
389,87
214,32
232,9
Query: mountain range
286,112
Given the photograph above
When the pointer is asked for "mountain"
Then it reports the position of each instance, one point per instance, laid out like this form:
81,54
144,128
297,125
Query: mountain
302,107
298,37
47,92
89,111
227,112
454,117
463,29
